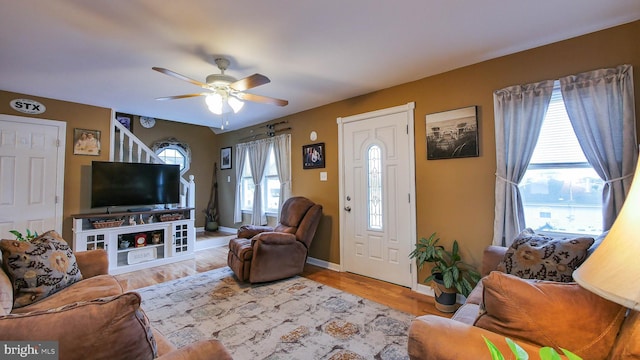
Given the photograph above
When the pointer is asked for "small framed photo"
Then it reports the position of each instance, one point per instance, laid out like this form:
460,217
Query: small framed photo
125,120
452,134
86,142
313,156
225,158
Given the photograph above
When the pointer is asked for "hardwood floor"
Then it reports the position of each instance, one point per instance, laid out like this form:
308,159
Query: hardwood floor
391,295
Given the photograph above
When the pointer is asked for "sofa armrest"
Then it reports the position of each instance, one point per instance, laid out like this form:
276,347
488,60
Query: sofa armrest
205,350
92,263
433,337
491,258
274,238
249,231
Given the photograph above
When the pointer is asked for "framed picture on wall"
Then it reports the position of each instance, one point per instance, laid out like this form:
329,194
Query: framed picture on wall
86,142
125,120
225,158
452,134
313,156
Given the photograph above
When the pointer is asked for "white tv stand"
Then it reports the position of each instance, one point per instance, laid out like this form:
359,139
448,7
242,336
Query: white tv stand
168,237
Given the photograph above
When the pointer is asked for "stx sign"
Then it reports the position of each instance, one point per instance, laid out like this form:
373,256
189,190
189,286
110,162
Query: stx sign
28,106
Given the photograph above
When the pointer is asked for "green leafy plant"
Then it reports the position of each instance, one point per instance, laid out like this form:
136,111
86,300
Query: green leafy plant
545,353
30,236
447,264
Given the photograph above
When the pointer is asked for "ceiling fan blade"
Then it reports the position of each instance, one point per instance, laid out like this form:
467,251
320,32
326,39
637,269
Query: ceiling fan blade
249,82
175,97
181,77
262,99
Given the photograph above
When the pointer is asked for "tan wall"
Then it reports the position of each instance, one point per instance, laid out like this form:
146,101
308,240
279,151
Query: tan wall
454,197
77,195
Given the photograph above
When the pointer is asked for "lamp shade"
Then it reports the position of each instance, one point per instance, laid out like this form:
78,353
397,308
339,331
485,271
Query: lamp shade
613,270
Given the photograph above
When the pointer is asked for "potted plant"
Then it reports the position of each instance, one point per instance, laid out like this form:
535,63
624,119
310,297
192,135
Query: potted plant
449,273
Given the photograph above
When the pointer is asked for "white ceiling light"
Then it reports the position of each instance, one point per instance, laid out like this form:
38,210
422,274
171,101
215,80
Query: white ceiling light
220,103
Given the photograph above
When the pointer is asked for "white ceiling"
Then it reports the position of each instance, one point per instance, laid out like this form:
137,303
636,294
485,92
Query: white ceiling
100,52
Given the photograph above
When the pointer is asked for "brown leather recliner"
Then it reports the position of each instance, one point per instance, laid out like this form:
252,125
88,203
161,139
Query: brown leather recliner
262,253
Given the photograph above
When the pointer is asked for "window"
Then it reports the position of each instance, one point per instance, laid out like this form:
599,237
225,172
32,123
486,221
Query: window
172,151
173,156
374,187
560,190
270,185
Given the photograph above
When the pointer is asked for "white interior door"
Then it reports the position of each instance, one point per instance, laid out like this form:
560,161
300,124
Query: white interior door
377,192
31,174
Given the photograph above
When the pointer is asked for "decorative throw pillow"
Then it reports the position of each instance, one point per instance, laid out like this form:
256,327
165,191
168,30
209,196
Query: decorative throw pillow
111,328
39,268
547,313
536,256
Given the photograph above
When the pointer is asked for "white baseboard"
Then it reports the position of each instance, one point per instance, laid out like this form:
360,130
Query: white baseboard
216,241
221,228
212,243
228,229
323,264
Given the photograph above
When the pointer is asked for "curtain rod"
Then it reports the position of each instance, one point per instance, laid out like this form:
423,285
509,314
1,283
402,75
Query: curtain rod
269,133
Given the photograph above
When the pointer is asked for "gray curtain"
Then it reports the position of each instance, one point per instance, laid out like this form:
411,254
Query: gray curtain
282,153
519,112
258,154
241,154
601,108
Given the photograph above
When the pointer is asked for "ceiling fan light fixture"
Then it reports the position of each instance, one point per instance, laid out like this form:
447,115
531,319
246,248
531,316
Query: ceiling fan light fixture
215,102
235,104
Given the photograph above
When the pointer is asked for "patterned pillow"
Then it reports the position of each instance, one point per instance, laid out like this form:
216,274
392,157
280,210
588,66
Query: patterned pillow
38,268
535,256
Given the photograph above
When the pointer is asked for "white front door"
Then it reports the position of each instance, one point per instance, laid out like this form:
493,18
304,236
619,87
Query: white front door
31,174
377,194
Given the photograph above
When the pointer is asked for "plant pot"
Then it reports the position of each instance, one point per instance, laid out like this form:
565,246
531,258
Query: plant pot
445,298
211,226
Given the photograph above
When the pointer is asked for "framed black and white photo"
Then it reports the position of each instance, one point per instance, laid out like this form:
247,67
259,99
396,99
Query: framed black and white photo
452,134
313,156
86,142
225,158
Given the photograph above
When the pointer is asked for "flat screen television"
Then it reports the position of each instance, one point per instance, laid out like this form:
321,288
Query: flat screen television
134,184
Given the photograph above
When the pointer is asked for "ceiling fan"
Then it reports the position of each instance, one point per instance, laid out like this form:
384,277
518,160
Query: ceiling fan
225,89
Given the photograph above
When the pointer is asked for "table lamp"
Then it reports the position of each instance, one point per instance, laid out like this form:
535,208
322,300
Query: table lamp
613,270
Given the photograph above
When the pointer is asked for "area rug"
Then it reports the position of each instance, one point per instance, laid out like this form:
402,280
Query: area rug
296,318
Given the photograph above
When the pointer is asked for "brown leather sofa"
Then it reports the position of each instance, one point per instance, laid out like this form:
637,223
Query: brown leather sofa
435,337
94,319
262,253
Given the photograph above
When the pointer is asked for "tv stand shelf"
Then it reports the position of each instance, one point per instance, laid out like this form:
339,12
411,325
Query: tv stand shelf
136,240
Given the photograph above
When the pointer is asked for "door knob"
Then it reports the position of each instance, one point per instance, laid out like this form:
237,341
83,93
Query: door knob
348,208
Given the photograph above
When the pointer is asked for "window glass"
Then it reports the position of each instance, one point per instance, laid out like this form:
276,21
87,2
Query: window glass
374,187
173,151
560,190
172,156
